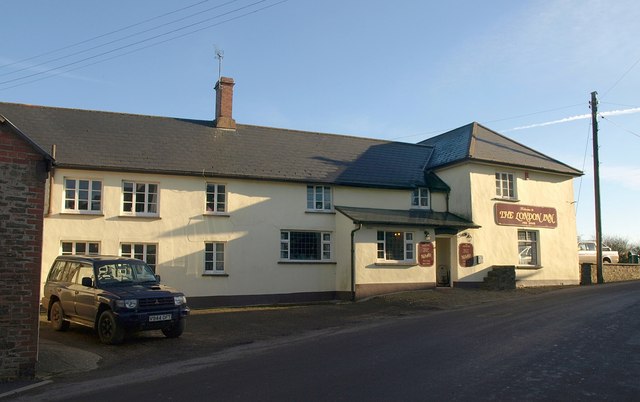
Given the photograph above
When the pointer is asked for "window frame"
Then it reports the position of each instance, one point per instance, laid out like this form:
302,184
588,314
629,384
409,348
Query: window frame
76,196
134,194
145,253
534,245
324,245
215,195
214,261
408,247
325,198
509,178
417,197
74,247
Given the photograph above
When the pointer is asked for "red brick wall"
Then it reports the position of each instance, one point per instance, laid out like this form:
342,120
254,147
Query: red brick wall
22,192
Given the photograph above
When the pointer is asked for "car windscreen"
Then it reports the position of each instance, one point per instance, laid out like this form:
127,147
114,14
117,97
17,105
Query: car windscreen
127,272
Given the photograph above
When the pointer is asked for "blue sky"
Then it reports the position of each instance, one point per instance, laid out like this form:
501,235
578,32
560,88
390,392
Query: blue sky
403,70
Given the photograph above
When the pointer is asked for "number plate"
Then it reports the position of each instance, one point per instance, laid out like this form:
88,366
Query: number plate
161,317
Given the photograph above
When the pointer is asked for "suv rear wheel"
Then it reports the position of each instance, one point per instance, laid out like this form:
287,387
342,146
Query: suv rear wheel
57,317
108,329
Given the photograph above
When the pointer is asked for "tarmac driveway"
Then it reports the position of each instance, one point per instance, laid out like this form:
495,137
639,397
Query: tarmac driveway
65,356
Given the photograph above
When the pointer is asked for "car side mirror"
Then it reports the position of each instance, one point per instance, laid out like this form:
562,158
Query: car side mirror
87,281
157,278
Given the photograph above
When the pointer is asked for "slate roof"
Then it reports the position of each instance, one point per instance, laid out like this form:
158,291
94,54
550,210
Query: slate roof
414,217
475,142
124,142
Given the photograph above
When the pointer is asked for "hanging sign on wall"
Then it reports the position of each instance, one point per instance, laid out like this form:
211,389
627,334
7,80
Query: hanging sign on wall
425,254
465,254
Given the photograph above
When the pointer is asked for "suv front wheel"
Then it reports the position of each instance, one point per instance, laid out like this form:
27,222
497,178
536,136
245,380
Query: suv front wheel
108,329
175,330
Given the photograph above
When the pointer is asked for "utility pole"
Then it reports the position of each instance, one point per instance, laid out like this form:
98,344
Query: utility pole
596,183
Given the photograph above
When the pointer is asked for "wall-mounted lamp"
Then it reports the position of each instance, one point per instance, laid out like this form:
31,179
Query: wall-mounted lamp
427,235
466,235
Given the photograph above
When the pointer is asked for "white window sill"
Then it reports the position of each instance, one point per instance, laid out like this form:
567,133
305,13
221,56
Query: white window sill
396,263
320,211
311,262
222,214
139,216
506,199
529,266
82,213
223,274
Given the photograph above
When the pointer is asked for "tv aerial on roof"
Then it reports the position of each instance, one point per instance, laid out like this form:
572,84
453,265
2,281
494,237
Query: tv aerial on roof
219,56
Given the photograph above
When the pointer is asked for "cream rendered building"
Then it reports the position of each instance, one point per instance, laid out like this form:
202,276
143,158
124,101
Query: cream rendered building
236,214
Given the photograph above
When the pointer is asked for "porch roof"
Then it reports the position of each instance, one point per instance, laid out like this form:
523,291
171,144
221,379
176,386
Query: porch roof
412,217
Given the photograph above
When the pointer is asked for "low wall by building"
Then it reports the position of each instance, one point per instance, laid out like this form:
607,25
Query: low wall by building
500,277
610,273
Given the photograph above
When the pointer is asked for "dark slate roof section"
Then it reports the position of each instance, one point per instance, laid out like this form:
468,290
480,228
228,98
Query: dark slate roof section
125,142
475,142
434,183
47,156
393,217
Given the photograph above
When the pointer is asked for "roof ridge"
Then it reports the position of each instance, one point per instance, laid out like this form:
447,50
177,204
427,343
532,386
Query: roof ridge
75,109
383,141
527,147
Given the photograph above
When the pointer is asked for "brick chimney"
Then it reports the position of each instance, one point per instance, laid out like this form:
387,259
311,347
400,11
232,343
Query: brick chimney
224,104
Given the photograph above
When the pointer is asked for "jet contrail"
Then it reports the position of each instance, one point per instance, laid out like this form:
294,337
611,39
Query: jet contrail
578,117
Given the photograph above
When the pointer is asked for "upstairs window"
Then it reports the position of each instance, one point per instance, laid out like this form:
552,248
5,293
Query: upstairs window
505,185
420,198
139,199
319,198
82,195
216,198
305,246
395,246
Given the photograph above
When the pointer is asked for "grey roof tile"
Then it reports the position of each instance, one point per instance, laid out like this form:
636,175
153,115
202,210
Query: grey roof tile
117,141
375,216
476,142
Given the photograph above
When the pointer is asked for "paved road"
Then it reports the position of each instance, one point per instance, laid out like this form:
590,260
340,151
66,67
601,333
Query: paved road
573,344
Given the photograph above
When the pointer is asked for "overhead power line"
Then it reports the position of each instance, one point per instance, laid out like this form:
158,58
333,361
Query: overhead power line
100,36
66,56
619,126
51,72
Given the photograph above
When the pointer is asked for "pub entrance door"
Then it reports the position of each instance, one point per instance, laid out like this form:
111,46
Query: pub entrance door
443,261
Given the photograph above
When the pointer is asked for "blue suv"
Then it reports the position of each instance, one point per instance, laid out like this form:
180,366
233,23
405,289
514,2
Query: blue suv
113,295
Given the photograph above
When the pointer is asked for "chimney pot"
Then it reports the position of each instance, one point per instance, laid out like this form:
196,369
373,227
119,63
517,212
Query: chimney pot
224,103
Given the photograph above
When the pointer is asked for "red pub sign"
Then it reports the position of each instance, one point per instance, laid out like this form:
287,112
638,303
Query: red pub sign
465,254
425,254
526,215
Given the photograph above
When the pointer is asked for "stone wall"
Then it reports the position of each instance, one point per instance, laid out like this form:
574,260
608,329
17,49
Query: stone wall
500,277
610,273
22,192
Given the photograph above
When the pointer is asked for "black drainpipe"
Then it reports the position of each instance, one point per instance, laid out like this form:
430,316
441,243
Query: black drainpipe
353,262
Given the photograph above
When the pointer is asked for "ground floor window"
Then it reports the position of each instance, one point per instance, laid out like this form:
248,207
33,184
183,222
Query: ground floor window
142,251
80,248
213,258
528,247
305,246
395,246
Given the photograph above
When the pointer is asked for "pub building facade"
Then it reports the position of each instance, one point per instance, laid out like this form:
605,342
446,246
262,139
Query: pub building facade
236,214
